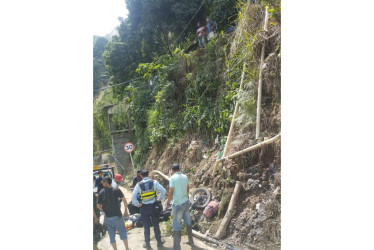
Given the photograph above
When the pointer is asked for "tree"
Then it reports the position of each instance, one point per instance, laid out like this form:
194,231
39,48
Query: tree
98,63
99,46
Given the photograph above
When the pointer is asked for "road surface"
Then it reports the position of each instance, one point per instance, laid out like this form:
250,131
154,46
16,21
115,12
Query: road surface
136,237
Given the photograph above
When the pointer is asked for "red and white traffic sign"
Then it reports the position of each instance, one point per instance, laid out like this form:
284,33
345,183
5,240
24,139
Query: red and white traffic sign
129,147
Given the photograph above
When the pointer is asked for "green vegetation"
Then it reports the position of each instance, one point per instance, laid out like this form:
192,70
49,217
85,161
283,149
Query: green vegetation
98,64
179,93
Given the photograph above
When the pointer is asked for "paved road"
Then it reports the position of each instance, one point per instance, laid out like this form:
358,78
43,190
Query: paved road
136,237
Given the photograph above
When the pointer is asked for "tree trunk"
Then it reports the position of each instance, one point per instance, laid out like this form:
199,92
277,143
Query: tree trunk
230,212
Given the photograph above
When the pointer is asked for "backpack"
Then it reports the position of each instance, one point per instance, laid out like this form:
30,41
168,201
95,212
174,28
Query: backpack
211,209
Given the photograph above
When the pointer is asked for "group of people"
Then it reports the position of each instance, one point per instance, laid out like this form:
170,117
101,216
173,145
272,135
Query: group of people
146,198
205,31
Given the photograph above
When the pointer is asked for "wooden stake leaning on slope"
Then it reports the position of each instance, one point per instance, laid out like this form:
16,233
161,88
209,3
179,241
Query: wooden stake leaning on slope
232,123
251,148
234,115
230,212
160,173
258,117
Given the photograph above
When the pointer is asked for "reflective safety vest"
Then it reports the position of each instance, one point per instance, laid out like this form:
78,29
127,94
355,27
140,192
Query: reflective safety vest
147,190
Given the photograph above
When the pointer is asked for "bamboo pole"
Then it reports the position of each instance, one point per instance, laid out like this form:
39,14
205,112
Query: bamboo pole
234,115
160,173
259,95
266,19
230,211
232,123
251,148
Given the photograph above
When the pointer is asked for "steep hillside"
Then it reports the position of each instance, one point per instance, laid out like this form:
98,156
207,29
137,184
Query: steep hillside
256,222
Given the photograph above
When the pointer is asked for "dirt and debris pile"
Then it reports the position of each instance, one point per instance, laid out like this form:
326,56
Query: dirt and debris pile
256,222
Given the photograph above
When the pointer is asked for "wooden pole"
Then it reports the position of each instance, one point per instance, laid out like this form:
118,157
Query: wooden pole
266,19
160,173
207,238
132,163
234,115
259,95
232,123
251,148
230,212
275,138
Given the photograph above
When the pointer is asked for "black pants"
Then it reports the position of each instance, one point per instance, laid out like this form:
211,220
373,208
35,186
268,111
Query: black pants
148,213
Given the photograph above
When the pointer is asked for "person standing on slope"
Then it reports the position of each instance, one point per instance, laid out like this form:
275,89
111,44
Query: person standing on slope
178,192
209,28
200,33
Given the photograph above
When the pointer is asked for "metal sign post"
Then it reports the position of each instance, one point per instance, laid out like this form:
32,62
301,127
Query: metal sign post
132,162
129,147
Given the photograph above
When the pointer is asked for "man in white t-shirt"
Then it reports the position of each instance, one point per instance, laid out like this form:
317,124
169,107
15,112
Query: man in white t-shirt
200,33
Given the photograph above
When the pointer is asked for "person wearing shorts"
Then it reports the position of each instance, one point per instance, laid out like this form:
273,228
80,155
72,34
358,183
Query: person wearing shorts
108,202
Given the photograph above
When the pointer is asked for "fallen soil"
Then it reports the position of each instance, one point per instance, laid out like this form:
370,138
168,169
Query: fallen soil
256,222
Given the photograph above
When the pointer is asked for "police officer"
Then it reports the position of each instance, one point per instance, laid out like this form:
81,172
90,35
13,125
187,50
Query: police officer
149,206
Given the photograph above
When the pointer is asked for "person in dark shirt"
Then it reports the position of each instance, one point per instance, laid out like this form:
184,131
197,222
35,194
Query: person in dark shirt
99,182
108,202
137,178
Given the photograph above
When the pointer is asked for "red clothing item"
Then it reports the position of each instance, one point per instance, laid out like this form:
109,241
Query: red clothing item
200,31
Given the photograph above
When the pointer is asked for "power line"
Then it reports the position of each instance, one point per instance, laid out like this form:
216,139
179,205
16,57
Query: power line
118,84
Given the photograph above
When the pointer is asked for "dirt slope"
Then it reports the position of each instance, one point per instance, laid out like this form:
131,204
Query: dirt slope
256,223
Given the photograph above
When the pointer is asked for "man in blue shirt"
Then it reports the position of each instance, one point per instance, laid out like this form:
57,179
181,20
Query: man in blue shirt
178,192
147,189
209,28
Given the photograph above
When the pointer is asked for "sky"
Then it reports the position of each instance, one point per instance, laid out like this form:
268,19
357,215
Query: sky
105,16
